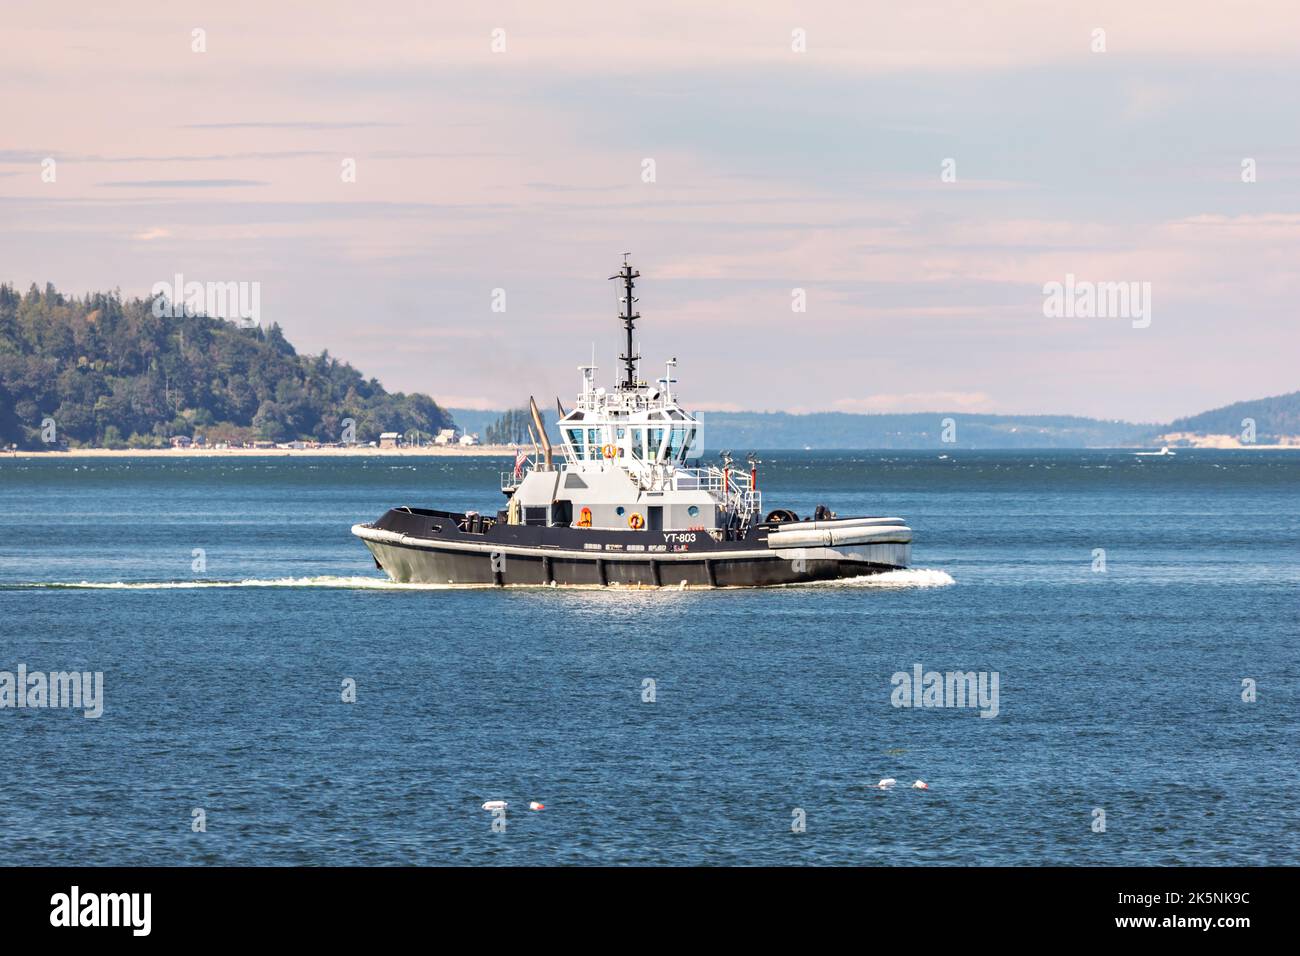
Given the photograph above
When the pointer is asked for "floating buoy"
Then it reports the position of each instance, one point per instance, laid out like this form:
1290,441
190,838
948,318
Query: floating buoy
920,785
536,806
495,805
886,783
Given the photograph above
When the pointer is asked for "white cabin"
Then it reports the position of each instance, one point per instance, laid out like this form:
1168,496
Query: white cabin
625,460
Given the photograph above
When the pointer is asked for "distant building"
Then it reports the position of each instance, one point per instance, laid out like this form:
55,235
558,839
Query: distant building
390,440
445,437
181,441
469,439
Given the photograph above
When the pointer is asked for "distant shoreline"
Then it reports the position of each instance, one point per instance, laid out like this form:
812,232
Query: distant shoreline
506,451
432,451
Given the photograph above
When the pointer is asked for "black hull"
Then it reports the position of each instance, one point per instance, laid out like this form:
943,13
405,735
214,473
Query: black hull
432,547
433,565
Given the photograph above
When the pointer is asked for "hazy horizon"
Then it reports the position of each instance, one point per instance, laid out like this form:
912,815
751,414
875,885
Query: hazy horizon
921,174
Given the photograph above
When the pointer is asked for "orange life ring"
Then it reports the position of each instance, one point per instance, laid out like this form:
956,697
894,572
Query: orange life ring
609,451
635,521
584,518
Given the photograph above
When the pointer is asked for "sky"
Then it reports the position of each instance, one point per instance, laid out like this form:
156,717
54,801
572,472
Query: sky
921,171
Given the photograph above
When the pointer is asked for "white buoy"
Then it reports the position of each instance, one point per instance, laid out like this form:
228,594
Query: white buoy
495,805
536,806
886,783
920,785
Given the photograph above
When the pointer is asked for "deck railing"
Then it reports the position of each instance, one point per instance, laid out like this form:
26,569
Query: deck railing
712,478
509,482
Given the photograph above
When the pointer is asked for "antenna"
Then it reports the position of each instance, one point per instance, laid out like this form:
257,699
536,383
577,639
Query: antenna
668,379
629,358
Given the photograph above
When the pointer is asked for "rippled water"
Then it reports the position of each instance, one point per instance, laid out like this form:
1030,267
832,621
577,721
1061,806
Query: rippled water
1119,690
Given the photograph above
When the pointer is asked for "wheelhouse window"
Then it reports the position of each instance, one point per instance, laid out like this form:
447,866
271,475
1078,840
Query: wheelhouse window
678,443
575,440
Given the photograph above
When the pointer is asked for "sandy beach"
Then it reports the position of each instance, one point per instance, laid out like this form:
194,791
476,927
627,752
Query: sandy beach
434,451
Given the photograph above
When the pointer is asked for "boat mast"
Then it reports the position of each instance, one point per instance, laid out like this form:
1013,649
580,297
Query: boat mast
627,274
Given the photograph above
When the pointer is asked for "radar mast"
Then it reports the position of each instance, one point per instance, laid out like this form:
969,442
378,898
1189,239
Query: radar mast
629,317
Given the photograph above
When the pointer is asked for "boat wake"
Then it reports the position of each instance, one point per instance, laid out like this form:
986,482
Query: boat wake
324,581
905,578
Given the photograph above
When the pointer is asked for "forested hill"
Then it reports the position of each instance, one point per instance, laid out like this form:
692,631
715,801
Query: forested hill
1275,418
108,371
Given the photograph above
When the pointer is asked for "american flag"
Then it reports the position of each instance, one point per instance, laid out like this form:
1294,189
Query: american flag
521,456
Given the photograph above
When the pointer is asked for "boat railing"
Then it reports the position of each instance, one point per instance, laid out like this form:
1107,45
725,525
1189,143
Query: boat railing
510,480
732,488
699,479
712,478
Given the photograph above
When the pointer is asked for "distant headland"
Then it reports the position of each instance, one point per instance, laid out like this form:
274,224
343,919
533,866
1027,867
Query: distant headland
106,372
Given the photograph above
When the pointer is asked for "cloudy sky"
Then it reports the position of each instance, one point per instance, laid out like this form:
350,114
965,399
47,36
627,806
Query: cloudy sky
775,169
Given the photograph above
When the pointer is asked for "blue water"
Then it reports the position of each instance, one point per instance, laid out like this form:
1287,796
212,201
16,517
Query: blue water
1119,690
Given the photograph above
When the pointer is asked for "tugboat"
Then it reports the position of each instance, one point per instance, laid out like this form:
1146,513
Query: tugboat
628,506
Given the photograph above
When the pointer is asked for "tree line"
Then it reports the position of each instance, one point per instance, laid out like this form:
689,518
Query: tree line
512,426
108,371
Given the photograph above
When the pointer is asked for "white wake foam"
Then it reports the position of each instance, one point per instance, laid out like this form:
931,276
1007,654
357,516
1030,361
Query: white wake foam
325,581
905,578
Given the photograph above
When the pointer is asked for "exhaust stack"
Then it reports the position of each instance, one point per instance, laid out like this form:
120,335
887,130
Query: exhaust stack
541,431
